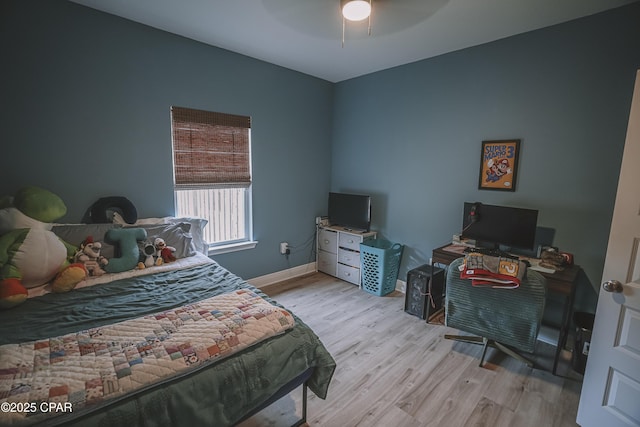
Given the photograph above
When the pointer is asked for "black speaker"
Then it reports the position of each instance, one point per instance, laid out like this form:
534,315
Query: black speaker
425,291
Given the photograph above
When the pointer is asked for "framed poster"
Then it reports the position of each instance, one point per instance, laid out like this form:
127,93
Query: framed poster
499,165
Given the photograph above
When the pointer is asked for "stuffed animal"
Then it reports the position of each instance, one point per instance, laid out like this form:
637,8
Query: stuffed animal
164,252
147,255
89,256
30,253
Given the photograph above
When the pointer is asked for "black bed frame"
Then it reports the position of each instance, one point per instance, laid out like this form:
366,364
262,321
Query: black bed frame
300,380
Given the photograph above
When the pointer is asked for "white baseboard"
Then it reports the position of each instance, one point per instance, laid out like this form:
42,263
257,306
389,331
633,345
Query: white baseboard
279,276
401,286
301,270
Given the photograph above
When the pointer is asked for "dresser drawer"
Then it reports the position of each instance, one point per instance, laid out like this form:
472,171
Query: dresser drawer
348,257
349,274
328,240
327,262
350,241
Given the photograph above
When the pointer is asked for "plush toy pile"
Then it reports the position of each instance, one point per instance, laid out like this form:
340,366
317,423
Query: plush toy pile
155,252
30,253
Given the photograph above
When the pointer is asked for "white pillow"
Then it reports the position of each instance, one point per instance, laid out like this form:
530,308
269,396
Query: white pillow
197,225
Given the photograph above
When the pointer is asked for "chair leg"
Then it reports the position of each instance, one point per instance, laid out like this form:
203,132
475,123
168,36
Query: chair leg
464,338
513,354
486,343
471,340
484,350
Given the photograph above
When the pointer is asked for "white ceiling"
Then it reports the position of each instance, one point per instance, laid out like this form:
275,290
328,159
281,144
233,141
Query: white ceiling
305,35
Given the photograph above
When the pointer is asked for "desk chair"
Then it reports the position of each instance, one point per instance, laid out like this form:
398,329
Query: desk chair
508,319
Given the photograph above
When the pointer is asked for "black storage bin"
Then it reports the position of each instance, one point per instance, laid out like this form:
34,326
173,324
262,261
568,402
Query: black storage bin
584,328
425,291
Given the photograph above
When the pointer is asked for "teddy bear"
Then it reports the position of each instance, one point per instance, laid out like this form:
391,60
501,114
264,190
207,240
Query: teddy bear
89,255
164,253
30,253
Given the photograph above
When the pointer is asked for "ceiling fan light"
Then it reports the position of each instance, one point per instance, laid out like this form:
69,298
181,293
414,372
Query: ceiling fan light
356,10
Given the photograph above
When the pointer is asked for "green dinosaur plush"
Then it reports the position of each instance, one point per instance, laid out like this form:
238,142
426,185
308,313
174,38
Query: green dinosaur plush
30,253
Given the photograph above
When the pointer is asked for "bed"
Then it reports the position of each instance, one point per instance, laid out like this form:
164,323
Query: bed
216,388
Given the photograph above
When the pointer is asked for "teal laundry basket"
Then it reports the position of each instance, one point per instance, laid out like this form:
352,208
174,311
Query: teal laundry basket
380,262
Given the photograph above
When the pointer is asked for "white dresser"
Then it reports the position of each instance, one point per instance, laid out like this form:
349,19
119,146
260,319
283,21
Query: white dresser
339,252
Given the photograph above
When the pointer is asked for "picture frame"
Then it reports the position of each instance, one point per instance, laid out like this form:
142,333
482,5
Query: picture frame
499,165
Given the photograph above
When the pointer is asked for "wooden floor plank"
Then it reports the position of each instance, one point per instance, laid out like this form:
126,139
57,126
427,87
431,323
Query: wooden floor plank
394,369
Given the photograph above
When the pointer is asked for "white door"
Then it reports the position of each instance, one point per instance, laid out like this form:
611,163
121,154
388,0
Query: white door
611,388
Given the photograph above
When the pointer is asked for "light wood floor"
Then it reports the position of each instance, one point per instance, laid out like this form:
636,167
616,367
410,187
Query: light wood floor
394,369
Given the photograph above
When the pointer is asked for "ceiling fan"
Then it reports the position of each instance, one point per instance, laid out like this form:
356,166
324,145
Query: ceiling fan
355,11
324,19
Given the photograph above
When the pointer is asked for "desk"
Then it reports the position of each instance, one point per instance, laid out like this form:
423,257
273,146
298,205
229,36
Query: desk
560,283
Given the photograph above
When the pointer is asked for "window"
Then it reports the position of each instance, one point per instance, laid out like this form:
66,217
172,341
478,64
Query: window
212,174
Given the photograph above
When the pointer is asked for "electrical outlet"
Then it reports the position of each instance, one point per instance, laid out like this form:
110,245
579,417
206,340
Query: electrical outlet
284,248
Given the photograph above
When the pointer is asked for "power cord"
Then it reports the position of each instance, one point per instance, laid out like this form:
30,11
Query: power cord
299,248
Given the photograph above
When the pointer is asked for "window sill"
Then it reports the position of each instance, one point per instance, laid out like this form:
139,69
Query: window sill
233,247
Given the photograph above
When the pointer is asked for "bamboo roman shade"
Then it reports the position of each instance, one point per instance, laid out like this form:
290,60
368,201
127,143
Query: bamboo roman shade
210,148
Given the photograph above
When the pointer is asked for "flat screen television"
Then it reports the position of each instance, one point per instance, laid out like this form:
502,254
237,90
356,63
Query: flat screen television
351,211
496,226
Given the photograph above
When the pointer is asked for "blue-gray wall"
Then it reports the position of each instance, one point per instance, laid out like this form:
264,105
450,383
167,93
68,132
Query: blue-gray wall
411,136
85,113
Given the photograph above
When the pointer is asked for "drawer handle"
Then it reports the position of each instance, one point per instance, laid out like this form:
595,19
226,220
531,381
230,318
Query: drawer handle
326,242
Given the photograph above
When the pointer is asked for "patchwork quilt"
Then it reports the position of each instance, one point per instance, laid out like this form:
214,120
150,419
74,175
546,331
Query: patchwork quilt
95,366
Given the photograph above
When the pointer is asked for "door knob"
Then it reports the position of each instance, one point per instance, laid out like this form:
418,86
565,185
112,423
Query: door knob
612,286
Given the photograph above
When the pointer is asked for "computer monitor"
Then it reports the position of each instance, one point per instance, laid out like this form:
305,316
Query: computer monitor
494,226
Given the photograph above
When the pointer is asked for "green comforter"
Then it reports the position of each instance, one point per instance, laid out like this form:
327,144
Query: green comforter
216,394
